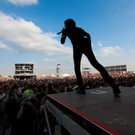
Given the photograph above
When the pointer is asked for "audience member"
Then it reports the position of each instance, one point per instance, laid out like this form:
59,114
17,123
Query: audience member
22,101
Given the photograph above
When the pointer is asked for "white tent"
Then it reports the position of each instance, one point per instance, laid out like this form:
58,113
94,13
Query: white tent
52,75
43,75
65,75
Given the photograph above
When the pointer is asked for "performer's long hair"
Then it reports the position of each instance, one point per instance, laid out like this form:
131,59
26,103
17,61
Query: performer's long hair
70,23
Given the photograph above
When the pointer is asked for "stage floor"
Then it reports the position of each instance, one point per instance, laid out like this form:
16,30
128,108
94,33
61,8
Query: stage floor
101,108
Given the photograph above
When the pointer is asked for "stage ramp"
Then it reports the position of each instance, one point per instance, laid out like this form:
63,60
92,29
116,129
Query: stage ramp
97,112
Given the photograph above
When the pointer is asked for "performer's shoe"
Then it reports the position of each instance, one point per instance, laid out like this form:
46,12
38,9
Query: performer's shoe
80,91
115,88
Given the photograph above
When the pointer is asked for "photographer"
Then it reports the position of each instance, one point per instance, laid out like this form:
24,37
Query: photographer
26,113
2,104
9,113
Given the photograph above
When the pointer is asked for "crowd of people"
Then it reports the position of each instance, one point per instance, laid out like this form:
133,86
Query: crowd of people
21,101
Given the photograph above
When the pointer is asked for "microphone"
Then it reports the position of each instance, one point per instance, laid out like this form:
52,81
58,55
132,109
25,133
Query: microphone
59,33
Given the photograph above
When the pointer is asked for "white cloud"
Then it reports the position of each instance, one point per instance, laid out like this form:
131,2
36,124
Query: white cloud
66,67
50,34
32,62
117,47
61,67
84,60
25,36
5,47
68,59
52,67
7,62
107,51
23,2
100,44
49,60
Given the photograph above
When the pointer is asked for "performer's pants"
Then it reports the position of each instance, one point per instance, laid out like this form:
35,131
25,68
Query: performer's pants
77,55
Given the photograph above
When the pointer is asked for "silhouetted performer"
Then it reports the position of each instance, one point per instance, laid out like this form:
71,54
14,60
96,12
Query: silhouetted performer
81,42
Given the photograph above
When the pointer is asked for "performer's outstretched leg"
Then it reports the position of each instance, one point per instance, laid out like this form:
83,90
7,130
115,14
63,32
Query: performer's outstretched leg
90,55
77,55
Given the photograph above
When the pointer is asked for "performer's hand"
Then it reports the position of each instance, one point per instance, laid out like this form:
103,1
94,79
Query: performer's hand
62,30
63,37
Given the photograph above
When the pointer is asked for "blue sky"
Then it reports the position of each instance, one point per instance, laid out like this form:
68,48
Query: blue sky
28,33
